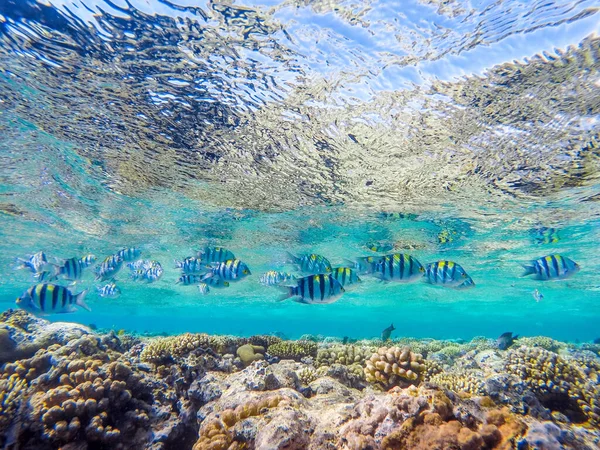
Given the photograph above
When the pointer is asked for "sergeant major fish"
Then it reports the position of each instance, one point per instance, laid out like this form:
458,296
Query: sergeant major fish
274,278
345,276
129,254
109,267
315,289
214,254
468,283
447,273
70,269
364,264
215,282
188,279
379,246
203,288
35,263
192,265
398,267
45,298
110,290
230,270
551,267
310,263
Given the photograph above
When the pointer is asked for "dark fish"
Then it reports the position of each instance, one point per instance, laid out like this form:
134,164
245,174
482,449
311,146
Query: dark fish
315,289
398,267
46,298
447,273
385,334
311,263
214,254
597,341
506,340
551,267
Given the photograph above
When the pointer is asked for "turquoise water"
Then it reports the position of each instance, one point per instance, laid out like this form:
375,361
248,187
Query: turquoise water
267,128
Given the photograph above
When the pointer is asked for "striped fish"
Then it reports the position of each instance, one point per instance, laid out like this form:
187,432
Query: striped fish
230,270
129,254
35,263
379,246
364,264
109,267
192,265
314,289
273,278
551,267
345,276
109,290
214,254
153,273
45,298
447,273
310,263
398,267
139,264
203,288
70,269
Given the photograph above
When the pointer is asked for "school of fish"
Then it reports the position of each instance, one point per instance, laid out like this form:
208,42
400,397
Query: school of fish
317,282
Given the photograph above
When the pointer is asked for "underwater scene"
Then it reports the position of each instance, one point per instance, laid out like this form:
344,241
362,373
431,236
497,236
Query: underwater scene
299,225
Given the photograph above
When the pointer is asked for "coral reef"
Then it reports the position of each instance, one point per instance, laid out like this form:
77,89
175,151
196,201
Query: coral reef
295,350
74,389
393,366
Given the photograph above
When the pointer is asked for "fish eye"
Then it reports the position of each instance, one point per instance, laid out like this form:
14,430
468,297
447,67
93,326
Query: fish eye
421,269
245,271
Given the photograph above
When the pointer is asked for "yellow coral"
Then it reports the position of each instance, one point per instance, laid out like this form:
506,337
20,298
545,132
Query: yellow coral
344,354
468,382
293,349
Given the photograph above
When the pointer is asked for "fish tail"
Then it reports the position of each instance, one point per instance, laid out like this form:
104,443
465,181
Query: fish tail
178,264
289,258
80,300
529,269
286,292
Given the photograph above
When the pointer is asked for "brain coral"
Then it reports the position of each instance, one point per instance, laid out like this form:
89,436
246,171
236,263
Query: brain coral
392,366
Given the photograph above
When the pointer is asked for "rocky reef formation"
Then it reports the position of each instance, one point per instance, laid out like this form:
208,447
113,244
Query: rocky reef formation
65,386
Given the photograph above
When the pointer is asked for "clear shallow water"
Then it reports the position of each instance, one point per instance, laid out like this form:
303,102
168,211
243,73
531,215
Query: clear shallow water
268,127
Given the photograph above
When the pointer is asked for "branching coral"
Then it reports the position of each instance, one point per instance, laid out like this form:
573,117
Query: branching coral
392,366
307,375
295,350
168,349
344,354
465,382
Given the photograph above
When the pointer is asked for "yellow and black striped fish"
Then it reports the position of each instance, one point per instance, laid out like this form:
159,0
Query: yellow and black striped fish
129,254
315,289
398,267
551,267
447,273
364,264
45,298
70,269
345,276
109,267
230,270
214,254
310,263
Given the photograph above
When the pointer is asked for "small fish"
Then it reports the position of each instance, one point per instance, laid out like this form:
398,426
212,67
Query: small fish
551,267
70,269
186,280
216,282
364,264
386,333
129,254
153,274
274,278
397,216
203,288
192,265
214,254
398,267
314,289
140,264
35,263
545,235
538,296
109,290
108,268
506,340
230,270
345,276
447,273
88,260
380,246
310,263
597,341
47,298
468,283
138,274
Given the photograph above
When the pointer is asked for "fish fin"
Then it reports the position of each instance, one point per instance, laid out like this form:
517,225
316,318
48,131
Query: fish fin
287,292
208,275
529,269
178,264
79,300
516,336
392,326
349,263
289,258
